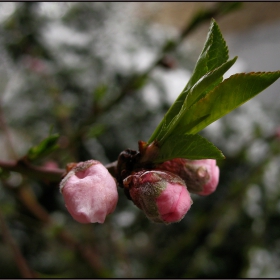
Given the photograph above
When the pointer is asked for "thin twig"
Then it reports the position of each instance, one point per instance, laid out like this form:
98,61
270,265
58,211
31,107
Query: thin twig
22,265
32,170
43,173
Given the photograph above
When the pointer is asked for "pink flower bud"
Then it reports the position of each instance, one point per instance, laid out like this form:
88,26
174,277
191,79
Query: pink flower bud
89,191
162,196
201,176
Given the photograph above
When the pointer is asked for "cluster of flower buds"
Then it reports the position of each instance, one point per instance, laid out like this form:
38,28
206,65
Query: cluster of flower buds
161,191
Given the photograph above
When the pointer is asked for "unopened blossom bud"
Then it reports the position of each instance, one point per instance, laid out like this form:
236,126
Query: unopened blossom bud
201,176
162,196
89,191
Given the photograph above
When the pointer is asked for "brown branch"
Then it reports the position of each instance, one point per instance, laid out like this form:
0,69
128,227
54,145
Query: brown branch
22,265
32,170
43,173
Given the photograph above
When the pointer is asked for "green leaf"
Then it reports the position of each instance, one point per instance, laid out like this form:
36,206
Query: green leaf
191,146
44,148
224,98
209,81
213,55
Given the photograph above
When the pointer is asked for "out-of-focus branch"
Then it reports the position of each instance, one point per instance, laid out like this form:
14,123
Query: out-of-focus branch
32,171
25,194
22,265
138,80
43,173
204,15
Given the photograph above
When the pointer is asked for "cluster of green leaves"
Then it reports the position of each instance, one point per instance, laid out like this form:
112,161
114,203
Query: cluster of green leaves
206,98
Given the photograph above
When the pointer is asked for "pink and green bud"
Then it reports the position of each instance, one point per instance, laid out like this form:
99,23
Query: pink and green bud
201,176
162,196
89,191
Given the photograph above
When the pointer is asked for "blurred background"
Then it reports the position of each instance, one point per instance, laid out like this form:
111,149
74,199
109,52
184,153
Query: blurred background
101,75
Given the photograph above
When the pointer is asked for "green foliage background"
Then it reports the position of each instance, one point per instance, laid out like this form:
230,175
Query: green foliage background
75,73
